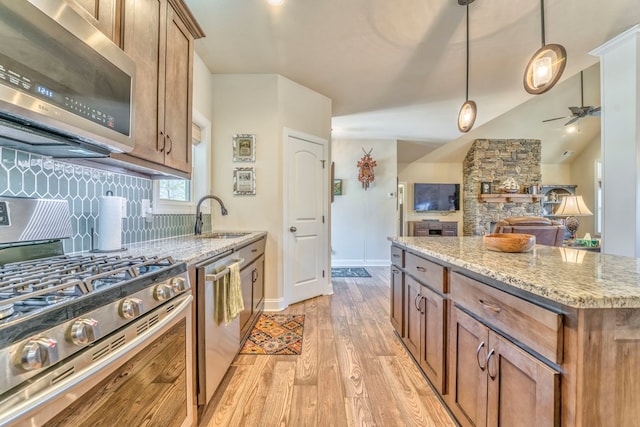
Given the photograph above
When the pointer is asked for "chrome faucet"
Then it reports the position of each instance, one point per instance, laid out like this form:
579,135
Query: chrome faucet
223,211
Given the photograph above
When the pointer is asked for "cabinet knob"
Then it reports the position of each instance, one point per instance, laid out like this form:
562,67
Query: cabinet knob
293,229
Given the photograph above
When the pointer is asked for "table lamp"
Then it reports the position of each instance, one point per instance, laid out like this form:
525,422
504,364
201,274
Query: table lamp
572,207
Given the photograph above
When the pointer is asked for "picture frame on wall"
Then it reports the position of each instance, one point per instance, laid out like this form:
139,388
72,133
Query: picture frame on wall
244,147
485,187
244,181
337,187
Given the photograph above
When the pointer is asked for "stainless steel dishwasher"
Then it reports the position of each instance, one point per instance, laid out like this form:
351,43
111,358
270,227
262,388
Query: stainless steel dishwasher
218,344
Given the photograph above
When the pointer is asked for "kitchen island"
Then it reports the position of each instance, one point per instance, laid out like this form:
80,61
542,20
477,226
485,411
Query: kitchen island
546,337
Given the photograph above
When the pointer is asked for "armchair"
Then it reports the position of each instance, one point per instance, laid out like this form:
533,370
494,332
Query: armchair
548,232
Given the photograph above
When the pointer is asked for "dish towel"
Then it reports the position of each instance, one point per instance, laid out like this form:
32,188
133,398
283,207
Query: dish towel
234,302
220,299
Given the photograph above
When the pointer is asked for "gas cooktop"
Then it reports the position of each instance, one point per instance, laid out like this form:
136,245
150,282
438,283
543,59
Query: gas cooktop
53,289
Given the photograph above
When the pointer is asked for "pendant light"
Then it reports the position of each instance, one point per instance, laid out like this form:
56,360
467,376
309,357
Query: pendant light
468,111
546,65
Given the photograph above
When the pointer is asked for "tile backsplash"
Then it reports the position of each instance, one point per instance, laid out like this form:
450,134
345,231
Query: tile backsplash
30,175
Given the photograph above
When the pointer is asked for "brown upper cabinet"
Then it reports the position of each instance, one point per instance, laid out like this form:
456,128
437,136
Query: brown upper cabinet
158,35
103,14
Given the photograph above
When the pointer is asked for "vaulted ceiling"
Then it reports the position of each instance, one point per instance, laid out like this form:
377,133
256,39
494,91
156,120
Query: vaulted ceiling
396,69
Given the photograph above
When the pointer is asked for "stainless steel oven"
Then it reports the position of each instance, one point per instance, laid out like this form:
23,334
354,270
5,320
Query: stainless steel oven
89,339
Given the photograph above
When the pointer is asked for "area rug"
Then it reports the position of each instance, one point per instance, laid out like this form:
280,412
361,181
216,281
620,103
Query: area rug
276,334
349,272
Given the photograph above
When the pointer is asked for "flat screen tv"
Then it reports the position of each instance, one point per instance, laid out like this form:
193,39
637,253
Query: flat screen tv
436,197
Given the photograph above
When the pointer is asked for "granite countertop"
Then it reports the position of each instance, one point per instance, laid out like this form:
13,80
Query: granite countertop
190,249
598,281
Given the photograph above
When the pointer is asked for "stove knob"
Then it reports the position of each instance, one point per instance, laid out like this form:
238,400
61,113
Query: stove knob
130,308
179,284
84,331
38,353
163,292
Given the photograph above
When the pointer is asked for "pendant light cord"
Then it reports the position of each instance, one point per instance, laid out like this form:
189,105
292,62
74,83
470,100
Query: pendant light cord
542,21
467,93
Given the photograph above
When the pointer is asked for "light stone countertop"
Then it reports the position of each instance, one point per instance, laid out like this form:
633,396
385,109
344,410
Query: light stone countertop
190,249
599,281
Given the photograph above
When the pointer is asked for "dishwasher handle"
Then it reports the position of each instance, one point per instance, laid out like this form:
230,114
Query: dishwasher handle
217,276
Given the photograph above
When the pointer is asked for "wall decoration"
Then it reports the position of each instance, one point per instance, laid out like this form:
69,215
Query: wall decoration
485,187
244,148
337,187
244,181
366,165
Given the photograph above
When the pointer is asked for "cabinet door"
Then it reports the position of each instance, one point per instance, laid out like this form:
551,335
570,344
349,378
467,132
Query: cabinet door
432,348
142,40
102,14
412,316
178,88
258,285
522,391
468,343
397,299
247,297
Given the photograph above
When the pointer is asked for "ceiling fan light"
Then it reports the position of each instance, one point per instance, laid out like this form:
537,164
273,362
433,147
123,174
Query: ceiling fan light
467,116
544,68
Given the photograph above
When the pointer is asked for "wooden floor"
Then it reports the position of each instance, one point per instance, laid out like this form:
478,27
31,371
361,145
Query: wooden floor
353,371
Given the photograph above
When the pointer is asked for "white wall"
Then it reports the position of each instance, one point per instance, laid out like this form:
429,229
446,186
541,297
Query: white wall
556,174
260,104
362,220
201,87
583,175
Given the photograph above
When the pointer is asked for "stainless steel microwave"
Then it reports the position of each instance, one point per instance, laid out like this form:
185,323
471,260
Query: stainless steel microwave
66,90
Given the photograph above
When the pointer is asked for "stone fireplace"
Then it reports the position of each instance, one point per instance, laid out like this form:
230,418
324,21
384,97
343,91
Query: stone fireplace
494,160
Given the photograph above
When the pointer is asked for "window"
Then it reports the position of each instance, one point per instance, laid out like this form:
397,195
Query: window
173,196
598,198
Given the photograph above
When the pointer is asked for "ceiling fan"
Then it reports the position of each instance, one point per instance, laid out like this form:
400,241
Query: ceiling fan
579,112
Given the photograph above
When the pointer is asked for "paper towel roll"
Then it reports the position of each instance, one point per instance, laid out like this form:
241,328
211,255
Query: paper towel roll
110,223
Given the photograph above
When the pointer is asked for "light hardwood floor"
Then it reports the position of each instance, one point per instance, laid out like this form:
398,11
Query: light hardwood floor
353,371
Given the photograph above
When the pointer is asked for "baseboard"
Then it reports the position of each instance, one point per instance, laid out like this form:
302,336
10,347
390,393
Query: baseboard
274,304
385,262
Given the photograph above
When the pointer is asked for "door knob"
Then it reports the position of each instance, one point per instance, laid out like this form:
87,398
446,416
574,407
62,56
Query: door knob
293,229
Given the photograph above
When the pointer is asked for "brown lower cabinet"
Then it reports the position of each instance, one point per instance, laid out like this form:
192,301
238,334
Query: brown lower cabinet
494,383
425,314
396,309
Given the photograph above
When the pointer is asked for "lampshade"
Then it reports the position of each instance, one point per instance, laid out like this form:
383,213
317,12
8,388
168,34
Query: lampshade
467,116
469,110
545,66
572,206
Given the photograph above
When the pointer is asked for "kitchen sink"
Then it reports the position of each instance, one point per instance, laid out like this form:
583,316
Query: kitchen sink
223,235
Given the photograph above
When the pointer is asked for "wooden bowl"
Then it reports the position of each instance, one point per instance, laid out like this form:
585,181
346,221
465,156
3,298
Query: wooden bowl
509,242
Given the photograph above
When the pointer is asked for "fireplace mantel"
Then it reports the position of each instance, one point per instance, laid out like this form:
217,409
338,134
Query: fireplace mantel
510,198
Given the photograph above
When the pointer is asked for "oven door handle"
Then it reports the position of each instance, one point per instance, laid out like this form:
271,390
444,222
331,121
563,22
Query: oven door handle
217,276
96,373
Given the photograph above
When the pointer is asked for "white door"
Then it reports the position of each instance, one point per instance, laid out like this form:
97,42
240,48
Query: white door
305,228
